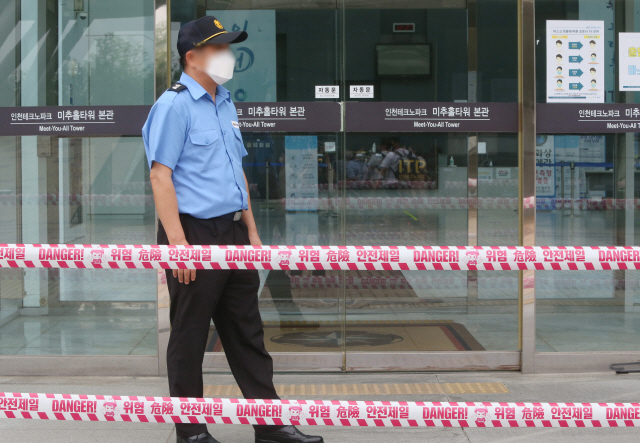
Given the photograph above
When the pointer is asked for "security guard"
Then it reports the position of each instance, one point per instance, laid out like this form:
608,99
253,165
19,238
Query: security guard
194,149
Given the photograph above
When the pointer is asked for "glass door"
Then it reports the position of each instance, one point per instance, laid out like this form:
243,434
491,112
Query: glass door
409,139
286,88
431,160
77,77
592,162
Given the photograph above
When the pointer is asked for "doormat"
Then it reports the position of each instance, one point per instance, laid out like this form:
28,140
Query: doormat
377,336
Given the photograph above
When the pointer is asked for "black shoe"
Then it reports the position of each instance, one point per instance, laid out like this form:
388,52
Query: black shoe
288,434
205,437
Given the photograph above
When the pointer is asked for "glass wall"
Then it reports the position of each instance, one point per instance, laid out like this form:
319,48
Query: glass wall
420,187
366,123
82,189
370,186
292,175
299,49
586,185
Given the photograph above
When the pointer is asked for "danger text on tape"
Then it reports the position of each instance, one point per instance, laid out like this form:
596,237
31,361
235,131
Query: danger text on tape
404,258
315,412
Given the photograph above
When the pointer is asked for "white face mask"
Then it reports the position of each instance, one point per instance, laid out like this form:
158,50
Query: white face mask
220,66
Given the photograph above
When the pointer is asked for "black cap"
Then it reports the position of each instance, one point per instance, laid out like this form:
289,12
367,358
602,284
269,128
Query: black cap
206,30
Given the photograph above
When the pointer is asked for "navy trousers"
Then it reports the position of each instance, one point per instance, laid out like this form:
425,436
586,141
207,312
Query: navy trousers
230,298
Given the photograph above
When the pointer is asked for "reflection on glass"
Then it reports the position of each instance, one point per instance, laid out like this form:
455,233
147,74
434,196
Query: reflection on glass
289,52
412,189
77,190
420,188
579,203
96,192
292,181
586,185
105,53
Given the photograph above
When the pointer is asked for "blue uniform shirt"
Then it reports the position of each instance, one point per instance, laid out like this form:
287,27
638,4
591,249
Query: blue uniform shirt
201,142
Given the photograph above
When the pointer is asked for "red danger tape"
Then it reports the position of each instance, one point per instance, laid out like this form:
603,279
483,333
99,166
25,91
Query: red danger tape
315,412
370,258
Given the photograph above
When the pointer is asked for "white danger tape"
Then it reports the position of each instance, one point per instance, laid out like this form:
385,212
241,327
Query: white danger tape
371,258
315,412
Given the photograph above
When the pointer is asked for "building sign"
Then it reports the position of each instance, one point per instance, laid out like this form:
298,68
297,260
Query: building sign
80,121
431,117
128,120
587,118
254,77
629,61
412,170
289,116
575,61
315,117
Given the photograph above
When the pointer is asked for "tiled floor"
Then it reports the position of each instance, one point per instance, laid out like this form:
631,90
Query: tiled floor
79,335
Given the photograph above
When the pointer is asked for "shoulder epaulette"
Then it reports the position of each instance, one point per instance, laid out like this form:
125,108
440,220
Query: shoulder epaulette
177,87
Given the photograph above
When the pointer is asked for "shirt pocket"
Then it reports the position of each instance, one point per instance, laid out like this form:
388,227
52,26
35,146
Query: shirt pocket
207,149
239,142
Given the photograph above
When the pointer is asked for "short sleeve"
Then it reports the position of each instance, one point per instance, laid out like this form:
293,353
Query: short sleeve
388,160
164,134
243,151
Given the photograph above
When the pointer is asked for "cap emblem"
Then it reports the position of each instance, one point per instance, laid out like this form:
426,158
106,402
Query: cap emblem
217,23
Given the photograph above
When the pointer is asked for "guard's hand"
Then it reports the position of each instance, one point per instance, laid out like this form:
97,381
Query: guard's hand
254,238
184,275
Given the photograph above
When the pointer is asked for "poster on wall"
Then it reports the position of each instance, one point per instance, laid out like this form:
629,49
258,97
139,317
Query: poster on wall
629,61
545,175
603,10
567,148
575,61
503,173
485,174
301,169
254,78
591,149
580,148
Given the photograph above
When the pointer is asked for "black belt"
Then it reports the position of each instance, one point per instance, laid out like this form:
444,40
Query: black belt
235,216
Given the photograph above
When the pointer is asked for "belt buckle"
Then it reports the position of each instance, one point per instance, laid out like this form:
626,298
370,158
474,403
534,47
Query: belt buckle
237,215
